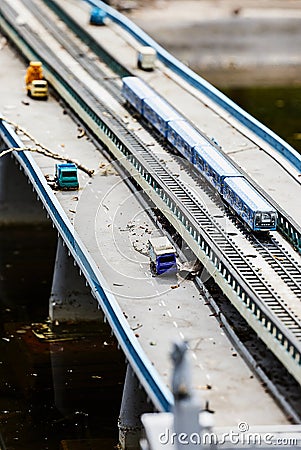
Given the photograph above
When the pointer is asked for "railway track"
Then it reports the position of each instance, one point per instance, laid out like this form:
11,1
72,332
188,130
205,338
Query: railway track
281,261
277,256
189,209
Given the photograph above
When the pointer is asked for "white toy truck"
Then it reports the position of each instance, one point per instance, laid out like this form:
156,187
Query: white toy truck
162,255
146,58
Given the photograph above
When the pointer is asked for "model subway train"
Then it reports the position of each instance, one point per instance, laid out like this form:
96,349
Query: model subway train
229,182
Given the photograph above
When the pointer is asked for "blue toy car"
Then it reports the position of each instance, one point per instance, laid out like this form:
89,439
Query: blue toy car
97,16
66,176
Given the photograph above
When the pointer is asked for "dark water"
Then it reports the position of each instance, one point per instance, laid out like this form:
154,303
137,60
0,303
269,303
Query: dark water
279,108
63,392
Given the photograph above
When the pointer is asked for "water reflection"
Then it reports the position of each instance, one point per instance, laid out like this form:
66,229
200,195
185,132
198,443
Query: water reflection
279,108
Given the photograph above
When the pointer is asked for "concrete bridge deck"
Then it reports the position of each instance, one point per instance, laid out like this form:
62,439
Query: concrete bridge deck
216,363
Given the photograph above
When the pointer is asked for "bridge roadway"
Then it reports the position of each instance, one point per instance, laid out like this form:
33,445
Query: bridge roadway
110,221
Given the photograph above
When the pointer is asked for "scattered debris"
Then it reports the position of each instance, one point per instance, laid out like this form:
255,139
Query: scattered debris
107,169
125,120
81,133
236,11
3,42
189,269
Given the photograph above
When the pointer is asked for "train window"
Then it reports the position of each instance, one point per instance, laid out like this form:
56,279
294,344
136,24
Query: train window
238,202
230,195
245,210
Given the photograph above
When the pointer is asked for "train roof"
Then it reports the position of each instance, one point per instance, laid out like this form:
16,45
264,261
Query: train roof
248,194
139,87
163,108
187,132
217,160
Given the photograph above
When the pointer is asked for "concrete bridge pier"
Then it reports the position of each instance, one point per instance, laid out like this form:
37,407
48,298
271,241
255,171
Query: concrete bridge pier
71,299
134,403
73,309
18,202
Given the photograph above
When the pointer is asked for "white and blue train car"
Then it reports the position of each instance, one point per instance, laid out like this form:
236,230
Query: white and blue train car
184,137
135,91
159,112
237,192
214,166
249,204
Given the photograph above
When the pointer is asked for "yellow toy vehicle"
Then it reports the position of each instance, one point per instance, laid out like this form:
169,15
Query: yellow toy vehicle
36,85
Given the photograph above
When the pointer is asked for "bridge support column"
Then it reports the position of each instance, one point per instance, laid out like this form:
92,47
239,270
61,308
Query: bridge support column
70,299
18,202
134,403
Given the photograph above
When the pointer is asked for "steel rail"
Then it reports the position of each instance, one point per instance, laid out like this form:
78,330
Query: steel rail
256,294
281,262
